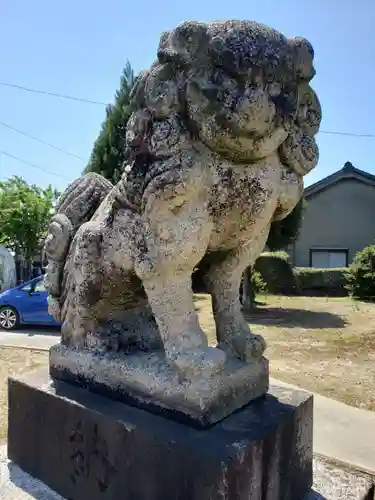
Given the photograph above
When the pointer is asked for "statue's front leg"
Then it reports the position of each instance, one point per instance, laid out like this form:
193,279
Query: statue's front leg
223,279
177,230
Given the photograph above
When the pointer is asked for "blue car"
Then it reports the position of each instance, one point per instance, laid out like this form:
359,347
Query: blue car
25,305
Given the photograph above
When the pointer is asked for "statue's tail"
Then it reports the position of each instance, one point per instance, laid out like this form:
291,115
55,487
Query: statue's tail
81,199
76,206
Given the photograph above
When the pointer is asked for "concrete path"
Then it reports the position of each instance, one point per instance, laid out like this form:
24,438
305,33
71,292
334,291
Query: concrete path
17,485
36,338
342,432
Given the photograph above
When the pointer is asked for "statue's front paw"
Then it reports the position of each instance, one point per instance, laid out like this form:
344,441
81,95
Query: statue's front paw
202,362
247,348
254,348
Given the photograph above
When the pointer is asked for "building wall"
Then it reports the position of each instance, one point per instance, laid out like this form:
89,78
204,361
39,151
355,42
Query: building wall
8,278
339,217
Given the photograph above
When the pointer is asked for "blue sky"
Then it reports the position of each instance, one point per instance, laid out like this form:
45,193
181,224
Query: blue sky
80,47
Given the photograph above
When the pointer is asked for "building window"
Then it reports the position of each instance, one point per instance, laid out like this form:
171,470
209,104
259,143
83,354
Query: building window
324,258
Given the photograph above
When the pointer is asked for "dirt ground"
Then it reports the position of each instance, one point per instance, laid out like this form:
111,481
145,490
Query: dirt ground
325,345
13,361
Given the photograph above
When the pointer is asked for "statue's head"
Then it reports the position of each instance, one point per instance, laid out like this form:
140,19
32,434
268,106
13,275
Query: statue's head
228,84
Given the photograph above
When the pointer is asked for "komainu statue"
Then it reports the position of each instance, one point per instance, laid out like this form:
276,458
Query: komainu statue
221,135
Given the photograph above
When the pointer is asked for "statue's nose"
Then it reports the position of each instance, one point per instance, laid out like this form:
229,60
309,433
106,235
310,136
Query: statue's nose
256,109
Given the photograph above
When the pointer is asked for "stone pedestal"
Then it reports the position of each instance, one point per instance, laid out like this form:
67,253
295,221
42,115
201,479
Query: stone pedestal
148,381
84,445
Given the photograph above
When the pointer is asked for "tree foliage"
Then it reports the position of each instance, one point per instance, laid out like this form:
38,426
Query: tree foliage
284,232
25,213
361,275
108,153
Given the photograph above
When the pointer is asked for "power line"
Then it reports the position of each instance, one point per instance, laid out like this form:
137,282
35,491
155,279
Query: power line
53,94
347,134
41,141
32,165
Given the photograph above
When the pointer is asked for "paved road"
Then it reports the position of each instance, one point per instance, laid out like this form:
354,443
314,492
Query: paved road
35,338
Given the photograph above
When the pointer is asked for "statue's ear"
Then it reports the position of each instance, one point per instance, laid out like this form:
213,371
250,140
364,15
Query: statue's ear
137,93
185,45
303,54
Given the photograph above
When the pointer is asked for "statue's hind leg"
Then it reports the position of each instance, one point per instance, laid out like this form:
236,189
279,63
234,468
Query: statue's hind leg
82,286
222,278
104,300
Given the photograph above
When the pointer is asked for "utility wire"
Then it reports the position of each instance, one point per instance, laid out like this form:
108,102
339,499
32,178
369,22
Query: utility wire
32,165
41,141
99,103
347,134
53,94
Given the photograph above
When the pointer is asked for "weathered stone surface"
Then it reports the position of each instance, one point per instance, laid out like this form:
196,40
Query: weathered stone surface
85,446
221,135
147,381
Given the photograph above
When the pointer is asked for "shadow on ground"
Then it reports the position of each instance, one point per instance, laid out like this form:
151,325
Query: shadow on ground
295,318
29,485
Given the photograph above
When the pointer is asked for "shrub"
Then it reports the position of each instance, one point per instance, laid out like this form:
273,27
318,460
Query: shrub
280,254
361,275
312,281
276,272
257,283
285,231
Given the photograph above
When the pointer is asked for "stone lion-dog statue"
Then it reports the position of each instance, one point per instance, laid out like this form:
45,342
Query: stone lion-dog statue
220,137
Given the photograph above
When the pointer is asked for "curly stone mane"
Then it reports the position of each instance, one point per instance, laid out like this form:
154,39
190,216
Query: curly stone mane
192,94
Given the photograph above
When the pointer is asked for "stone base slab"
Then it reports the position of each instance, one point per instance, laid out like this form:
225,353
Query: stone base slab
330,483
147,381
83,445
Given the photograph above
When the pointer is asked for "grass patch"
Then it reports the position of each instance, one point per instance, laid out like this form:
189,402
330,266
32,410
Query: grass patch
12,362
325,345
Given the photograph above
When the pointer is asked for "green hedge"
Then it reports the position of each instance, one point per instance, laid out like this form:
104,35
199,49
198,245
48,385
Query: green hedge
312,281
276,273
